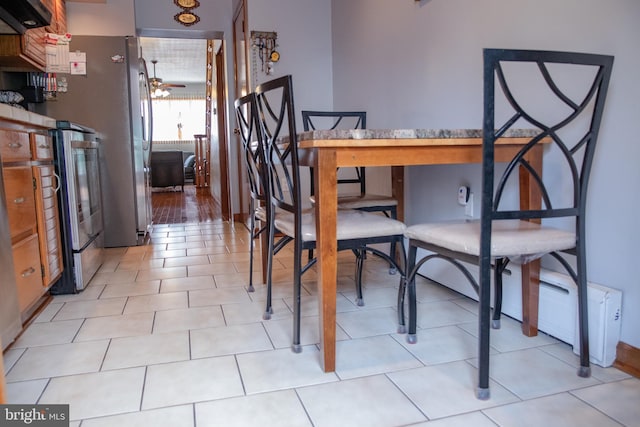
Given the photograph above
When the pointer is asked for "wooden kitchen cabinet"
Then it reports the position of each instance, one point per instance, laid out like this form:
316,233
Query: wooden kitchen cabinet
32,209
59,16
27,52
28,271
23,52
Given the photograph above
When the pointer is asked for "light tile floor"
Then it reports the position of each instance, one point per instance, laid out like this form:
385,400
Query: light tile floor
166,335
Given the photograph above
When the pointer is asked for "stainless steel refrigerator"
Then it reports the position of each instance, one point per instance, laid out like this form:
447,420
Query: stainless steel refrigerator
113,98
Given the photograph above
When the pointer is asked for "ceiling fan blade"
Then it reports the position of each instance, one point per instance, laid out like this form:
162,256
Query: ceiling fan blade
156,82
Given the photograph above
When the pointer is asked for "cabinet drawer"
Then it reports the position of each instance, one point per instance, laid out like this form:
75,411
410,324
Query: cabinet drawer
20,199
41,146
26,262
14,145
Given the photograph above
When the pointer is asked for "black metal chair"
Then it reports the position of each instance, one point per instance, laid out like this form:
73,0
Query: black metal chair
355,229
568,91
361,200
253,154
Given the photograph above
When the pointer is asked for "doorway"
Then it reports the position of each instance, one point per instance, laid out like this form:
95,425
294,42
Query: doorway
184,76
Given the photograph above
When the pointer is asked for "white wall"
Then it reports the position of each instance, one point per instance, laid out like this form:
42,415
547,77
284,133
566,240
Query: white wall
112,18
419,65
214,16
304,44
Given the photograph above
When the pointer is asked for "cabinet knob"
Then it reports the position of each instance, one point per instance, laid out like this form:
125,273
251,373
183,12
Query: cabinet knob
14,145
28,272
19,200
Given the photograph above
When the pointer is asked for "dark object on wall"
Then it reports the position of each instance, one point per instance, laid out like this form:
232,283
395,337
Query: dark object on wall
167,169
189,168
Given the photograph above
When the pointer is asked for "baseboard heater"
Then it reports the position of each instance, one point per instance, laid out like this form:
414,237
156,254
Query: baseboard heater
557,314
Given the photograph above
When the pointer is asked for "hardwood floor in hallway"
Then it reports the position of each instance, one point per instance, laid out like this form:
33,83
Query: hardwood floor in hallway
172,206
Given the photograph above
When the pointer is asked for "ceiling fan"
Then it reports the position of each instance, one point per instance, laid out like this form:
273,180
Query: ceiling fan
158,88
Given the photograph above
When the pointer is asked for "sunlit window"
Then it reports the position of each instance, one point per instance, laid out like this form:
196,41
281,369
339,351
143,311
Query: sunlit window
178,117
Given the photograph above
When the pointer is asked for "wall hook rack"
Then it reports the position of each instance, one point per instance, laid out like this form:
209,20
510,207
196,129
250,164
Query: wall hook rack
264,44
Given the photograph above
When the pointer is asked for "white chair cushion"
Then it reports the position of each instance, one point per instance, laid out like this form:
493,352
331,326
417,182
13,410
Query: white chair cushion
508,237
352,224
357,201
261,213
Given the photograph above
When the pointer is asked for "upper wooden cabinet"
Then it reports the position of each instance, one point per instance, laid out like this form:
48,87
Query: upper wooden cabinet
23,53
27,52
59,16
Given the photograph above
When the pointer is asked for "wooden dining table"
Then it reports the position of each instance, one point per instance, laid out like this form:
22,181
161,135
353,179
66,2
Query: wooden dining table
327,150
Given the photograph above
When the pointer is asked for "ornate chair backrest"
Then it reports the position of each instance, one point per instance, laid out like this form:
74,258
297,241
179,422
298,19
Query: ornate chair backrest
559,97
277,120
321,120
252,146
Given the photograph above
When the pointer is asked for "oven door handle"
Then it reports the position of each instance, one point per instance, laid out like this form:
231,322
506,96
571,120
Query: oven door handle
92,237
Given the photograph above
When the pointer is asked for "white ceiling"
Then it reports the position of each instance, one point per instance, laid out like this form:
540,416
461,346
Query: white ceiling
179,60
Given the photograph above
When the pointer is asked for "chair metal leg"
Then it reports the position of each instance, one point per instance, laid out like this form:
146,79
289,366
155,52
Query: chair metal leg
297,286
402,328
252,236
484,315
392,248
500,265
271,233
412,338
359,266
583,319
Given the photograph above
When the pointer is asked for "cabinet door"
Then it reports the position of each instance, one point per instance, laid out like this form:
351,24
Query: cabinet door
33,46
26,262
20,200
58,10
48,222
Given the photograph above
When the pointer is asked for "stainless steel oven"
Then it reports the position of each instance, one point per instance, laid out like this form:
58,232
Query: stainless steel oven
77,163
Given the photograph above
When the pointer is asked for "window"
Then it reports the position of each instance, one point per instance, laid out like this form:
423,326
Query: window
179,117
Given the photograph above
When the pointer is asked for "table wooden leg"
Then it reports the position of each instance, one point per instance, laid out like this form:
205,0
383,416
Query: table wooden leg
327,248
530,198
530,297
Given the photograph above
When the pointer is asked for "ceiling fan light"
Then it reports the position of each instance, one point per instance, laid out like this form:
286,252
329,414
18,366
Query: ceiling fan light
159,93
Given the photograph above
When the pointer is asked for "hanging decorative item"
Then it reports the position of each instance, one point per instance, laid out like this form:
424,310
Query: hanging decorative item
187,17
187,4
264,46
